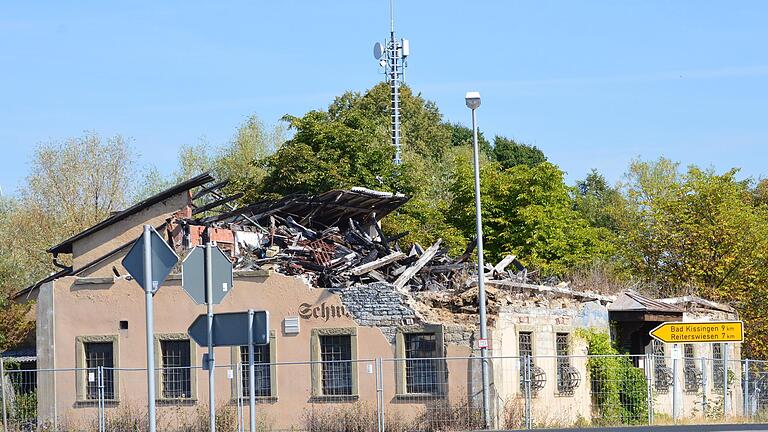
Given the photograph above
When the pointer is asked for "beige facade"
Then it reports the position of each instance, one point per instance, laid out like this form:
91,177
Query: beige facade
98,310
91,309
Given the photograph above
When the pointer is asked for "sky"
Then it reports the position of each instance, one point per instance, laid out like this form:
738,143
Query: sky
594,84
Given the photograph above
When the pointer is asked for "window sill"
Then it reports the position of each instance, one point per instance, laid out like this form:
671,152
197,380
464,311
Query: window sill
419,396
95,402
263,399
176,401
335,398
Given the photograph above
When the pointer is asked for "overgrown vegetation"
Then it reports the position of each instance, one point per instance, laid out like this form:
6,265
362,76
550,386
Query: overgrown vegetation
664,229
619,390
437,415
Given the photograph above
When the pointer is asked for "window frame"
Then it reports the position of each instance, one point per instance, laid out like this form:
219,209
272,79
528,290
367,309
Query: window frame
81,373
158,339
563,361
236,390
689,362
401,386
317,370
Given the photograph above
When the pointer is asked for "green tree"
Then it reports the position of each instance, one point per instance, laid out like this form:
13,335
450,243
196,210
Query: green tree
461,136
527,211
596,200
698,232
510,153
72,184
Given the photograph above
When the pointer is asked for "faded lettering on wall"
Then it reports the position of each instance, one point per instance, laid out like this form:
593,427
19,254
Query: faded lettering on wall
322,311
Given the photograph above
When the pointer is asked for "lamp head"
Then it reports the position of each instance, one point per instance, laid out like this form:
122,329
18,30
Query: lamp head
472,99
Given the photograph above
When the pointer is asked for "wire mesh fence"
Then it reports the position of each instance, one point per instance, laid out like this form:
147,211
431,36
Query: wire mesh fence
413,393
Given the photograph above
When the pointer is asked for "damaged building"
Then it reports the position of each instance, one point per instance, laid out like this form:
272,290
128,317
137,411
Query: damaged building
346,301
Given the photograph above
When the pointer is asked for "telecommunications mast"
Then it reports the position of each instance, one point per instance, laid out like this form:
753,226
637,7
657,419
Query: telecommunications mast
392,56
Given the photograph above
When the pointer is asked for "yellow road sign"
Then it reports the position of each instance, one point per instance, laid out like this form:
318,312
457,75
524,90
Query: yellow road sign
706,332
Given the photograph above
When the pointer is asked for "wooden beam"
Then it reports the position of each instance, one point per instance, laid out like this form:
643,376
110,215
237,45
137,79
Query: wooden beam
412,270
373,265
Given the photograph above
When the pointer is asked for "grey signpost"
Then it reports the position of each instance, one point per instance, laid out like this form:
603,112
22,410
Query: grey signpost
149,261
251,375
236,329
216,281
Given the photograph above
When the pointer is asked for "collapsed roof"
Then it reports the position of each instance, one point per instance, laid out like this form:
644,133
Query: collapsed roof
333,239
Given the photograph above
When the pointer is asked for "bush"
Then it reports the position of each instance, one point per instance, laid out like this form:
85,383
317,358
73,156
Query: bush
619,389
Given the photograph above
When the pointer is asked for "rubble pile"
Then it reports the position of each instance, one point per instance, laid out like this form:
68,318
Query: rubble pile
332,239
349,253
335,240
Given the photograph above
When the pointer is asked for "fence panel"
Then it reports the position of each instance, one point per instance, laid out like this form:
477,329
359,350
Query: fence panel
406,394
428,394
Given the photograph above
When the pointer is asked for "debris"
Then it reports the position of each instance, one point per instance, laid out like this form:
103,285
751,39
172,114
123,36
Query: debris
334,240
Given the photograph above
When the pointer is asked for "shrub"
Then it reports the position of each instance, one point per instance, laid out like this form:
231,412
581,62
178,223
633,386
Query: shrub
619,389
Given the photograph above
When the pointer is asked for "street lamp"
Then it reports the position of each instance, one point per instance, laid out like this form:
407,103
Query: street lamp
473,102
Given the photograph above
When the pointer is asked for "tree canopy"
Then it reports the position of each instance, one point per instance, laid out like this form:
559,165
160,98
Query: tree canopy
669,230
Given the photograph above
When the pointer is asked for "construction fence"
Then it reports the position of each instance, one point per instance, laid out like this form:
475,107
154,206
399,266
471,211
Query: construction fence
417,394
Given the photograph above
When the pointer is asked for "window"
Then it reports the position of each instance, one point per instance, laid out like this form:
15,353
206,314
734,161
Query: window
263,379
265,370
565,382
691,372
99,354
421,367
335,353
525,349
176,369
175,357
663,374
717,365
92,352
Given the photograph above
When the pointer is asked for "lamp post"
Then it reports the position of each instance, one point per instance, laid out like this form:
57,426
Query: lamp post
472,100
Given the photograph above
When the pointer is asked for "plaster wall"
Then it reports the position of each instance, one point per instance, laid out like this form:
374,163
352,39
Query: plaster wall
95,309
544,324
99,243
705,399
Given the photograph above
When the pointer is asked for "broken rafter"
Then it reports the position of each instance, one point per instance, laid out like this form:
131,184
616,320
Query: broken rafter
373,265
210,188
412,270
217,203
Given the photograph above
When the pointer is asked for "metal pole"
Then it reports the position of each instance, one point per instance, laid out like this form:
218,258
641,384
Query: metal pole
746,389
703,385
100,383
211,360
726,403
380,394
675,389
481,278
251,374
2,385
528,395
238,385
649,390
148,286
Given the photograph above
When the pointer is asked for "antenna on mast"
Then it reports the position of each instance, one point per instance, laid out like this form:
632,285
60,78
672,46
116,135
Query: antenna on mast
392,56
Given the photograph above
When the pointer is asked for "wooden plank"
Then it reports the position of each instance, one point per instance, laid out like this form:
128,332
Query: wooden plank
373,265
502,265
412,270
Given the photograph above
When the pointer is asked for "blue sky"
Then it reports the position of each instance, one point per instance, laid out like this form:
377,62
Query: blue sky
592,83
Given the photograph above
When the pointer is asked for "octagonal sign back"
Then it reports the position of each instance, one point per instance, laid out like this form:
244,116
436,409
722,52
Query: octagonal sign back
193,274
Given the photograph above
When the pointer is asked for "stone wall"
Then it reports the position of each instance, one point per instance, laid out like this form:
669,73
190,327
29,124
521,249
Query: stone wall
377,305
